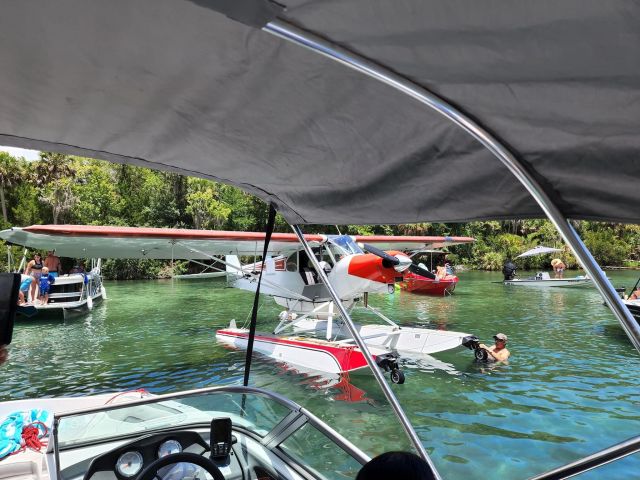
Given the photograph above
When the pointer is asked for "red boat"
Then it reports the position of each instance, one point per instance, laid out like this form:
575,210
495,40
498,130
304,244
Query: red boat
418,284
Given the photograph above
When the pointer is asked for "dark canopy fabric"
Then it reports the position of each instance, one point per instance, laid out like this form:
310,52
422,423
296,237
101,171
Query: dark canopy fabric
177,85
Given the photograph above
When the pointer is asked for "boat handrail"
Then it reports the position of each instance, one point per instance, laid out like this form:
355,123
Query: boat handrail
595,460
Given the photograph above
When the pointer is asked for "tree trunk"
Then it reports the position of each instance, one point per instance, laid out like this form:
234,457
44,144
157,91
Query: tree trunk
4,203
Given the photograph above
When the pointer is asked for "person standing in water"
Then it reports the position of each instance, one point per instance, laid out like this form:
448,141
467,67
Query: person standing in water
498,352
558,267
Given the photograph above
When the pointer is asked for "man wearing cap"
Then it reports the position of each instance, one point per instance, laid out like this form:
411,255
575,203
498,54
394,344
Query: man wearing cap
499,352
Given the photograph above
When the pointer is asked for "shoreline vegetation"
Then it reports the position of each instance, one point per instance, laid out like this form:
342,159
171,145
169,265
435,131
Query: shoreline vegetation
58,189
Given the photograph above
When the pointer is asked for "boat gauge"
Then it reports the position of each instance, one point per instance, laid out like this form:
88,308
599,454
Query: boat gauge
169,447
129,464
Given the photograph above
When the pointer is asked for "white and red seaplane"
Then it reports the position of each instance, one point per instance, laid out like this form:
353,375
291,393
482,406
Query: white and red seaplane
318,339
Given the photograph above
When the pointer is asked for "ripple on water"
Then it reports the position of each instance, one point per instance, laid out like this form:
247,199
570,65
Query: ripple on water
570,387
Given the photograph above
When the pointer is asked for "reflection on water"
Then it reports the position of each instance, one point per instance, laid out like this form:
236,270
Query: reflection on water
571,386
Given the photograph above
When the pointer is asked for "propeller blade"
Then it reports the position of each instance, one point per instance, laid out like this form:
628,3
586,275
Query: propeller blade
387,260
418,270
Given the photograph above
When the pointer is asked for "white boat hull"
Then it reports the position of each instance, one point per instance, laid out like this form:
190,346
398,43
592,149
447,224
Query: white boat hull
634,308
553,282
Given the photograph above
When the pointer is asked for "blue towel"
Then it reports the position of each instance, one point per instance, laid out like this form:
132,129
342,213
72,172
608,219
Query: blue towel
11,429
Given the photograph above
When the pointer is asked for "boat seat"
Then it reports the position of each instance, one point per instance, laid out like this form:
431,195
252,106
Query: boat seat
27,465
309,278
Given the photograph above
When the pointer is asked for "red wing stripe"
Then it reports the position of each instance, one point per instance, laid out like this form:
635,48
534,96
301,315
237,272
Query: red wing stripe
173,233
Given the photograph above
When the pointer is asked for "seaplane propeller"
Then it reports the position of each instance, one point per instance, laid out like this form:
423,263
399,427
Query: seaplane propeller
400,264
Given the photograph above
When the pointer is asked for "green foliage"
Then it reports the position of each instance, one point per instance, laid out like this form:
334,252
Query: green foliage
204,204
131,269
607,247
60,188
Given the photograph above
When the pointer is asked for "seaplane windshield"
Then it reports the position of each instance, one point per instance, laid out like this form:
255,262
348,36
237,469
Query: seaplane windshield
256,413
344,245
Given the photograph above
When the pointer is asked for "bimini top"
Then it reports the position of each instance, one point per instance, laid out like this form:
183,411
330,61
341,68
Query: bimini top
199,87
171,243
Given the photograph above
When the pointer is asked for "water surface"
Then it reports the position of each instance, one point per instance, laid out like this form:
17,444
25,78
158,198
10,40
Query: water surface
570,388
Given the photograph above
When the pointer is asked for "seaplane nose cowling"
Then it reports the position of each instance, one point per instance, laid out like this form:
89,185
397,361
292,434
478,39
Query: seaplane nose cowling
374,268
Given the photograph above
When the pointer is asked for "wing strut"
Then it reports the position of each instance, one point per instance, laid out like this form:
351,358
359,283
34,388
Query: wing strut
254,312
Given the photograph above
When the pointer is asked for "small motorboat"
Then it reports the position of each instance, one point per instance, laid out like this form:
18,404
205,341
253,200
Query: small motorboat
541,279
439,286
633,302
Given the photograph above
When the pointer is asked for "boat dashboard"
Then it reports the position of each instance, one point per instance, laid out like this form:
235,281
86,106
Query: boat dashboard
223,433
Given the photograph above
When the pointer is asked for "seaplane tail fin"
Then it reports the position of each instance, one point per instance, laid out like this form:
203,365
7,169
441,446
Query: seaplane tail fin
232,323
233,267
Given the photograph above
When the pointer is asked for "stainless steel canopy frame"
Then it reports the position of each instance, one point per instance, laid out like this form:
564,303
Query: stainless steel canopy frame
388,393
356,62
371,69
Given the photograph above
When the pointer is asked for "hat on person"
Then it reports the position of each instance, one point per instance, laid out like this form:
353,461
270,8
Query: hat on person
555,261
500,336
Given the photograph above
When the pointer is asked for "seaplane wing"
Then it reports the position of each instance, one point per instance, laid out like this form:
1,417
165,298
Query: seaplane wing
167,243
411,243
154,243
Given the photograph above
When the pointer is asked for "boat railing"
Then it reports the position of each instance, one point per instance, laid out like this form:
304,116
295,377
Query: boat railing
608,455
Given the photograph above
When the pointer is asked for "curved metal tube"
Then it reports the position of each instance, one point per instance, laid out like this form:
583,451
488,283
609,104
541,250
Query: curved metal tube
568,233
388,393
595,460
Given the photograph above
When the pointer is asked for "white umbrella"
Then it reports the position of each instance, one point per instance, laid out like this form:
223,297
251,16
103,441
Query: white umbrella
539,250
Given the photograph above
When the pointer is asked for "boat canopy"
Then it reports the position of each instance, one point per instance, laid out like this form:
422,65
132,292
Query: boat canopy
205,88
169,243
539,250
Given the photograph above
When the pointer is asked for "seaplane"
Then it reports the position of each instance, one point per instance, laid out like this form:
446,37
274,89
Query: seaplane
332,113
355,265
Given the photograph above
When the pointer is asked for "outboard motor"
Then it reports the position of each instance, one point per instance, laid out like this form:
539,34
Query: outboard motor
473,343
509,270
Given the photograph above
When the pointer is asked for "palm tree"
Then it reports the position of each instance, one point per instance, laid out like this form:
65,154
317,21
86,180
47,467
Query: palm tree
54,171
10,173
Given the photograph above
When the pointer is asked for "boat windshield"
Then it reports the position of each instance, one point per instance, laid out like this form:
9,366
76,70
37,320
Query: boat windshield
344,245
255,412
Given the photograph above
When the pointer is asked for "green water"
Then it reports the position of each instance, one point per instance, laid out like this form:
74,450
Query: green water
571,386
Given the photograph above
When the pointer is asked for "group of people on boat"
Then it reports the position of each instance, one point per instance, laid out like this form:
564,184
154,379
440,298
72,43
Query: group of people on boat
39,274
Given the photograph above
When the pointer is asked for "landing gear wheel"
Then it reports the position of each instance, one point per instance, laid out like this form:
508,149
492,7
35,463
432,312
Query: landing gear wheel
151,471
397,376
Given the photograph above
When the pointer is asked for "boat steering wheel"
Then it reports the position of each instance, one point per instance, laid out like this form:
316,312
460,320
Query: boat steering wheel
151,471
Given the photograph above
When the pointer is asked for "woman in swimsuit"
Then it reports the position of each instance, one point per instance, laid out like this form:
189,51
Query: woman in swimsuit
34,268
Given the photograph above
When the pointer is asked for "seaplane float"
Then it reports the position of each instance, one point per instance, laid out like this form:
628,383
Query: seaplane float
355,265
541,279
331,113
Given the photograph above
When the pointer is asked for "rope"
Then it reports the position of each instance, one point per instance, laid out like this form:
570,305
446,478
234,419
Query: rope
141,391
33,437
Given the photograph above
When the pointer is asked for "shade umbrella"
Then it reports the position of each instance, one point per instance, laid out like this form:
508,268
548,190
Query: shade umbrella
539,250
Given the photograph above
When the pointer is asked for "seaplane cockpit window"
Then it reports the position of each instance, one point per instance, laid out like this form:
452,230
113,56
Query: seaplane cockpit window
292,262
342,245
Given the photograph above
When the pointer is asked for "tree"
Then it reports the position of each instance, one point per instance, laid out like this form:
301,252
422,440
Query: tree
54,176
10,174
204,205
